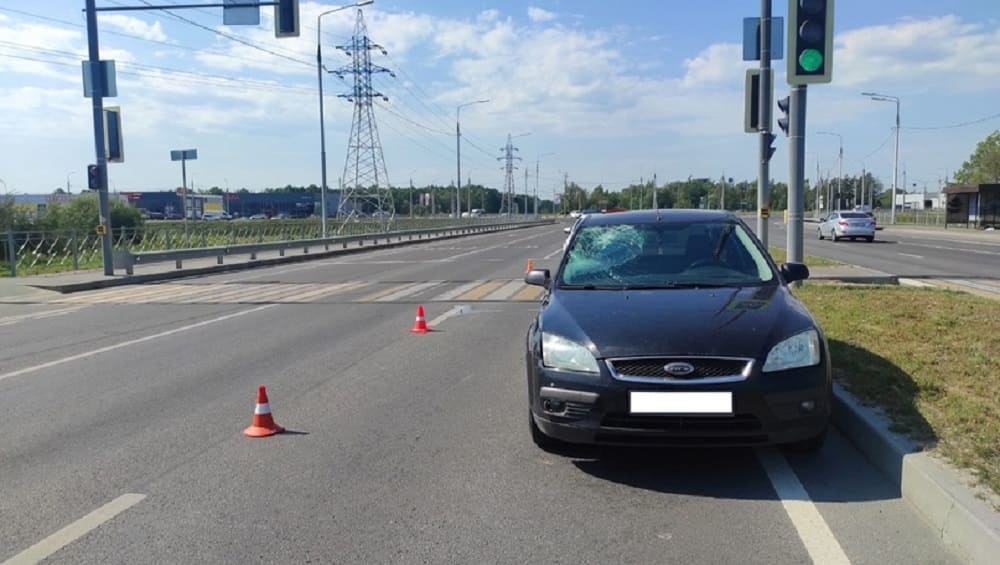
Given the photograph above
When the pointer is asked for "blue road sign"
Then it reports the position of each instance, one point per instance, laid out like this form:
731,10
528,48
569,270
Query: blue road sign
751,39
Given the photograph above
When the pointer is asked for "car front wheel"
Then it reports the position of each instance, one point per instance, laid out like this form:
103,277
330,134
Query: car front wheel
546,443
820,233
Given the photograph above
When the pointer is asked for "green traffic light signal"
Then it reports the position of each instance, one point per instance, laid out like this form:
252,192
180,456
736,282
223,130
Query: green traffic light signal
810,60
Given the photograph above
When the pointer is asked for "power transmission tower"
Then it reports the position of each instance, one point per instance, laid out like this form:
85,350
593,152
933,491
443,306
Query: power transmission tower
507,198
366,183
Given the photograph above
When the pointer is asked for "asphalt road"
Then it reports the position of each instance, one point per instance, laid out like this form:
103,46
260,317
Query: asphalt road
910,252
123,411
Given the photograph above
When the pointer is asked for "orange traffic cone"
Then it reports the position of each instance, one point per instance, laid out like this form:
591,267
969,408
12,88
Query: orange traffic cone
420,325
530,266
263,424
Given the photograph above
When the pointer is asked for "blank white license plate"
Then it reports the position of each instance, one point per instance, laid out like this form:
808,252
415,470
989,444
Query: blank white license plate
641,402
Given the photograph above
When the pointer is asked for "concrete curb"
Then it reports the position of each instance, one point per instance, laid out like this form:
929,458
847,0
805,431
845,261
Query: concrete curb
892,280
962,521
121,280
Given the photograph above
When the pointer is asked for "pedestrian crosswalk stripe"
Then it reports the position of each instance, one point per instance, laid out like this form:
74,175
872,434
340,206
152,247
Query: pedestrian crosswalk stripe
529,293
384,292
481,290
506,291
292,293
408,291
461,289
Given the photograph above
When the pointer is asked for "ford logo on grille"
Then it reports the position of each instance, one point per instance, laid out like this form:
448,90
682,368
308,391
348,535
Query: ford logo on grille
679,369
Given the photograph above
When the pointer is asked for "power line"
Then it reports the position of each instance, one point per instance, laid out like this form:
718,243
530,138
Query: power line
879,148
952,126
242,81
231,37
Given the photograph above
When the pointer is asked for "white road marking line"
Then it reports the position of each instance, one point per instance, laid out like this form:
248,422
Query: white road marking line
912,255
135,341
505,244
459,290
449,314
38,315
814,532
554,253
410,290
48,546
946,248
506,291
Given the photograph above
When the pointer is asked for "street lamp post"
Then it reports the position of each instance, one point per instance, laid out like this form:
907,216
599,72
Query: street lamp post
895,156
69,174
319,79
458,156
840,160
535,207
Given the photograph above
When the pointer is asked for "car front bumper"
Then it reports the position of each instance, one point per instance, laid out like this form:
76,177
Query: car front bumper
773,408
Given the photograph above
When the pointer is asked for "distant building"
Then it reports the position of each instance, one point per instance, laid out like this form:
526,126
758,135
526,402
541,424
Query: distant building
977,204
920,201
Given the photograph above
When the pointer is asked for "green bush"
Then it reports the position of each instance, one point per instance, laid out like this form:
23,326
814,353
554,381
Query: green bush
82,214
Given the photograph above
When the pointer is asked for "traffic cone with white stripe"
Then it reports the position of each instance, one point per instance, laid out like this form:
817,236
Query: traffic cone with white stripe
263,424
420,325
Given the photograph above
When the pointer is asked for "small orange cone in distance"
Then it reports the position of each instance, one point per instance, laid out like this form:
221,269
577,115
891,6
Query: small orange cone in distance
420,325
263,424
530,267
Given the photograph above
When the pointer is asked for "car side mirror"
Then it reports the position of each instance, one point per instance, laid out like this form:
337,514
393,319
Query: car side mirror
567,229
792,272
537,277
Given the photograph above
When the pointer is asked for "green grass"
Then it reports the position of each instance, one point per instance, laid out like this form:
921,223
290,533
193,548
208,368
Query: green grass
780,256
928,357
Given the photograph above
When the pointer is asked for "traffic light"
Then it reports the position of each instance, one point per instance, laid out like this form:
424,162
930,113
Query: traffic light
93,177
783,105
286,18
810,41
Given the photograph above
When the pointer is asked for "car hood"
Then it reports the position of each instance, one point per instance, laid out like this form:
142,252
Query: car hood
743,322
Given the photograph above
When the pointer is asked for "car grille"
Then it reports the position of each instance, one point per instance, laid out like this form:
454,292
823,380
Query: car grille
736,423
653,368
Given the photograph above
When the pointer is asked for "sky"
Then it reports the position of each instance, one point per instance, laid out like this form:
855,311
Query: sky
607,92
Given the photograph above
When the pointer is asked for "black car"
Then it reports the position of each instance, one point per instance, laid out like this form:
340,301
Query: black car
674,328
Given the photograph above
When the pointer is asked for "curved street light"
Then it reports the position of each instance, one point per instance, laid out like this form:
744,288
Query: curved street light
895,158
458,156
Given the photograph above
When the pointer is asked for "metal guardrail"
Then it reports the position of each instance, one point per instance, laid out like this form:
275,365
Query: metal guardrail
127,260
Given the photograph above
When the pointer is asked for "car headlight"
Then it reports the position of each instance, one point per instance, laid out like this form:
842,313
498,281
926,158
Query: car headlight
561,353
800,350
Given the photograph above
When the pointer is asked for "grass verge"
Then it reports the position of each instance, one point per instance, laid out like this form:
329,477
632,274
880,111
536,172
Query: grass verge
928,357
780,256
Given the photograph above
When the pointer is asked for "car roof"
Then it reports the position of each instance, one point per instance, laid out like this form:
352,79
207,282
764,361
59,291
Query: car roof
670,215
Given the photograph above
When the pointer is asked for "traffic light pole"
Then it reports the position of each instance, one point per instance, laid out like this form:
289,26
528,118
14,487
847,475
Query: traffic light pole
796,171
98,82
764,114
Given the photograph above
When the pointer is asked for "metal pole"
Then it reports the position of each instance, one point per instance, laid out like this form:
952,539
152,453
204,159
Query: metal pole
796,170
534,209
818,212
97,99
458,161
895,168
184,192
322,128
764,112
525,191
840,179
11,251
863,174
411,197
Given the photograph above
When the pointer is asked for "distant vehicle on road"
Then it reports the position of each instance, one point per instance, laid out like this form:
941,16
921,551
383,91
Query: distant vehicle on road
674,327
215,216
574,214
853,225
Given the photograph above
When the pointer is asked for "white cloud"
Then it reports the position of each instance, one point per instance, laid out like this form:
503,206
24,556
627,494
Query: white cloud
721,62
913,52
540,15
135,26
